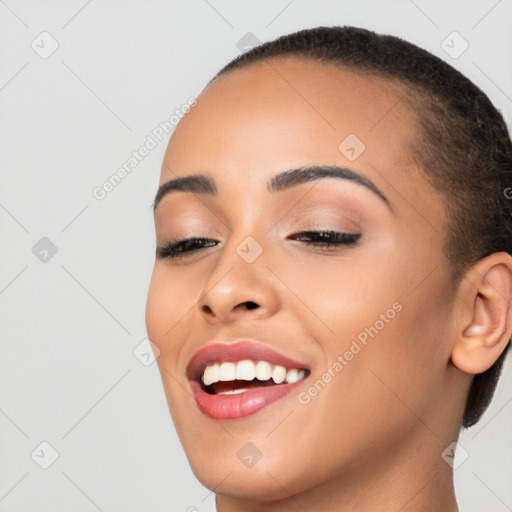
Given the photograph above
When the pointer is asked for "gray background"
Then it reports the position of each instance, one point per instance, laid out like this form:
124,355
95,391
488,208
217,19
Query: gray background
70,323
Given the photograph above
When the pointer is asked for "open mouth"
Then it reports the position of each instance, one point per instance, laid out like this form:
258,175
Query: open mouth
231,378
237,379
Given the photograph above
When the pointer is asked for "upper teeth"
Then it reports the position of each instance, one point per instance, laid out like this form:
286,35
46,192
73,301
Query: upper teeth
249,370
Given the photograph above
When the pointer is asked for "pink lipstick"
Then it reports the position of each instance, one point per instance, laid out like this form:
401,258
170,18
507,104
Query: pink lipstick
237,379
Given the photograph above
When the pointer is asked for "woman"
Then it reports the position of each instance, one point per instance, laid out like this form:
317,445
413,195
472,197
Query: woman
332,286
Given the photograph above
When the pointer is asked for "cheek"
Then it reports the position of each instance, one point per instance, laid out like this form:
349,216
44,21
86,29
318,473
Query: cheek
344,296
388,321
401,352
158,308
169,299
166,307
171,307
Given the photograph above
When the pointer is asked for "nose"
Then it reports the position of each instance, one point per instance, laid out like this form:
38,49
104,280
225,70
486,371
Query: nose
236,289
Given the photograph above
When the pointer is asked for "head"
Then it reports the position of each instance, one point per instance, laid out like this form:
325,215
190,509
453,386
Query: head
404,321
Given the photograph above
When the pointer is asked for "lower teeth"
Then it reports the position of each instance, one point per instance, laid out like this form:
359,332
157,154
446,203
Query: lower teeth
233,392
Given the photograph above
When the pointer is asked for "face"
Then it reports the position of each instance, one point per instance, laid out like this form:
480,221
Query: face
365,313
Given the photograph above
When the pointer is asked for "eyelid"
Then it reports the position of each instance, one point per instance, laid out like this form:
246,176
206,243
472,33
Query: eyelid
323,216
312,226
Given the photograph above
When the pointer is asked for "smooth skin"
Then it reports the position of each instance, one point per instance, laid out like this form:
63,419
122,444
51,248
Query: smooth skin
372,438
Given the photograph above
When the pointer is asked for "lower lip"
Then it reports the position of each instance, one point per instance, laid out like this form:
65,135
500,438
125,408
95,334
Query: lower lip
223,407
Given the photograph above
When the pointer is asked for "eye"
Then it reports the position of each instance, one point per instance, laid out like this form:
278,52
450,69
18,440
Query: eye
327,238
178,248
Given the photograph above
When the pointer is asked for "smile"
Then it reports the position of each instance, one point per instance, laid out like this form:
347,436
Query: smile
237,380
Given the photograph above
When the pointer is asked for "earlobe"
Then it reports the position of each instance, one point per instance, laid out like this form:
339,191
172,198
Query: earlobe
485,314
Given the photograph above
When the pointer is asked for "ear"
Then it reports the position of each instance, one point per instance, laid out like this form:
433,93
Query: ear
484,314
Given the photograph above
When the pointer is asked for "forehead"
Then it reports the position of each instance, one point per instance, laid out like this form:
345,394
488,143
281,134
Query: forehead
254,122
294,109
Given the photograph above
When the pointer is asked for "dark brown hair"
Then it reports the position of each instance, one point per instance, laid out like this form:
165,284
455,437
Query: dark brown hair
463,145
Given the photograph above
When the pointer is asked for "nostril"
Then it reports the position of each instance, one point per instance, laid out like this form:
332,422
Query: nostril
249,305
206,309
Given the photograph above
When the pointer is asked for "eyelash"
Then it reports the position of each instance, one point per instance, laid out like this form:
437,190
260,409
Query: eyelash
178,248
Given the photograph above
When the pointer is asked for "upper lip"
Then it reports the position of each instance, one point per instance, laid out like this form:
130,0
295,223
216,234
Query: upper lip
233,351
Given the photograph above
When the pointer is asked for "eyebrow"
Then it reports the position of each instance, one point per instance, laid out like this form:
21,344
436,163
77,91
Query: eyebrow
203,184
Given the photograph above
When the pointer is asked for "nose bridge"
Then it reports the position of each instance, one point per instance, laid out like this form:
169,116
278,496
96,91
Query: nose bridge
244,248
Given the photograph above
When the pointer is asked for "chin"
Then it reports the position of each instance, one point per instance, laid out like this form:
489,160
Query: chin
250,484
